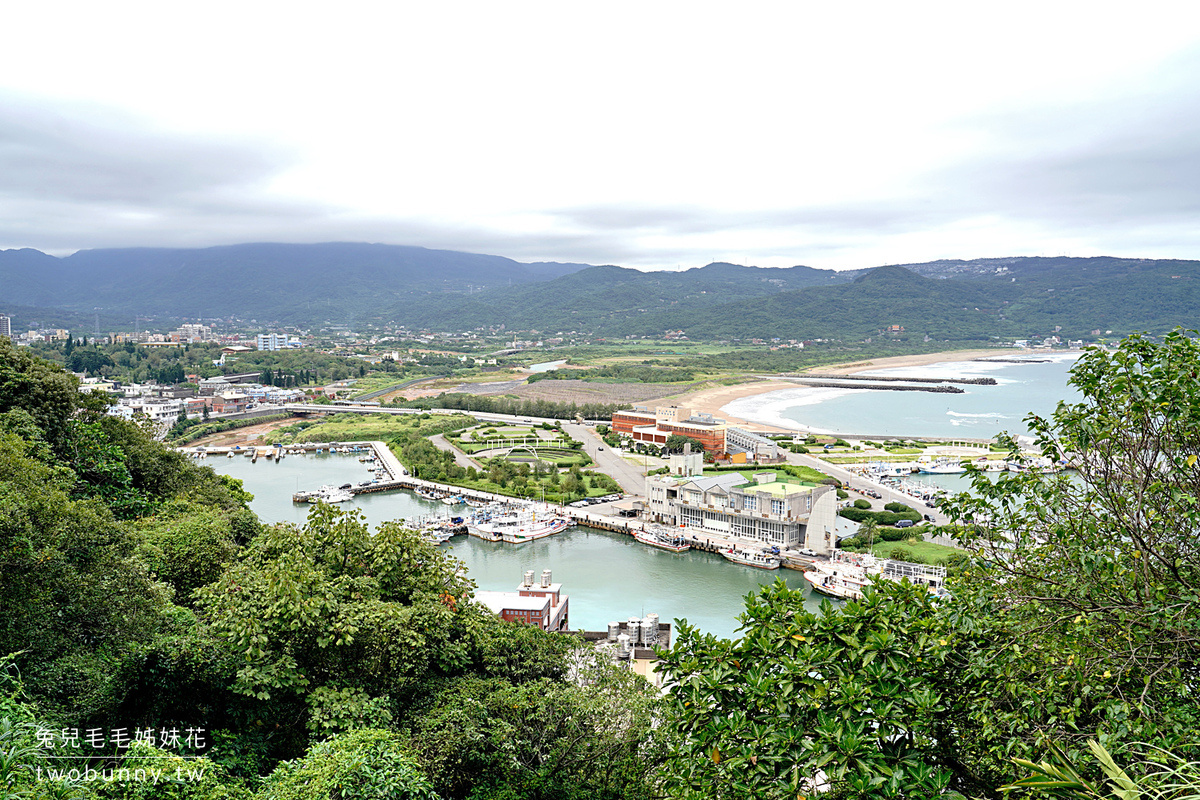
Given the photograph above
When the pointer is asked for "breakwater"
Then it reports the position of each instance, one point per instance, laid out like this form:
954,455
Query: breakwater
902,379
843,384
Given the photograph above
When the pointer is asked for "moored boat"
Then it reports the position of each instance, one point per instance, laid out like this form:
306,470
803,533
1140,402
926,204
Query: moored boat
663,541
750,558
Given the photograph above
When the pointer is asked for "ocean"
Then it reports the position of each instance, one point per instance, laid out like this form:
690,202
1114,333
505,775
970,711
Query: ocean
980,412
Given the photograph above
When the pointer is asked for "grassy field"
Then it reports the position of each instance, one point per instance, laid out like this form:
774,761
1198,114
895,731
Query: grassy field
925,552
806,474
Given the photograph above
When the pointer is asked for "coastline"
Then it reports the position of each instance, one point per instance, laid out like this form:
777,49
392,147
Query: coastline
713,400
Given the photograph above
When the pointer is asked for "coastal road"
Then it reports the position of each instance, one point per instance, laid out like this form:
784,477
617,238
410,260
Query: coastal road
856,482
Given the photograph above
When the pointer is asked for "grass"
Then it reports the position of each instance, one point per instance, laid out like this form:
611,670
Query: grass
927,552
806,474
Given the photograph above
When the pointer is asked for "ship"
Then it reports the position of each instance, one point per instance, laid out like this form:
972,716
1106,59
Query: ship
515,527
750,558
664,540
845,575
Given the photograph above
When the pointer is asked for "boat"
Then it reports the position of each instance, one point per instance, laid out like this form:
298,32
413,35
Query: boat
845,575
750,558
330,494
452,499
659,538
516,527
942,466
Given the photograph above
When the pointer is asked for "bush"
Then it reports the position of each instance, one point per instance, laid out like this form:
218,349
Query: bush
899,508
891,534
863,504
842,494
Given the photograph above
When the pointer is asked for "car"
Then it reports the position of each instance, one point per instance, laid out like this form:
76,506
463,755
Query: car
904,523
928,518
808,552
598,449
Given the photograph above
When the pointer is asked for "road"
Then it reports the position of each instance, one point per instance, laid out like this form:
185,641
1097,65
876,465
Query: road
856,482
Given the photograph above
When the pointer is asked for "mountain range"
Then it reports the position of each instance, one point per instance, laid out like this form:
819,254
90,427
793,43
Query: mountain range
306,285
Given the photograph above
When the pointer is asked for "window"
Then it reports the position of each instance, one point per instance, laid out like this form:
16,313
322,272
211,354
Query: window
777,507
750,503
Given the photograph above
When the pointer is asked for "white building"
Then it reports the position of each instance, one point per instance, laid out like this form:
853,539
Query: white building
763,510
5,327
162,411
277,341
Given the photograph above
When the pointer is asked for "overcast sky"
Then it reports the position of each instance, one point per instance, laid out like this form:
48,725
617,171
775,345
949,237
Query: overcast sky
652,135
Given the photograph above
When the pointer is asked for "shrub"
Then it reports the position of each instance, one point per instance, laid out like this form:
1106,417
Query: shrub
863,504
899,508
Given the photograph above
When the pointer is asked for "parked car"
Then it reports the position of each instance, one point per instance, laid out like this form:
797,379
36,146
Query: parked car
904,523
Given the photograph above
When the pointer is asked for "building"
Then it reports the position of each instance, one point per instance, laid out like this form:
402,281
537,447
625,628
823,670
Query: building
162,411
276,341
762,510
190,334
542,604
229,403
5,327
714,435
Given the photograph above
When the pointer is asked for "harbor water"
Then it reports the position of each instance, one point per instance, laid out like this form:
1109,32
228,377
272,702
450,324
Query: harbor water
979,412
608,576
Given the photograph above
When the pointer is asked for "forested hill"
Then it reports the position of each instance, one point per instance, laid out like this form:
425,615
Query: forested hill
301,283
614,300
1078,295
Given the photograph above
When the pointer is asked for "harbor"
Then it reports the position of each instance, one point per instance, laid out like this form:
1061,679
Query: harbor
611,575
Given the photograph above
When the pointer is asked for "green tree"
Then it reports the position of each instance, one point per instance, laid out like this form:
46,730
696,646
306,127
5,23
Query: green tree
363,765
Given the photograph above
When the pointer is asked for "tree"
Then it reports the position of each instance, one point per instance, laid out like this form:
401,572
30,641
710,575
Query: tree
676,441
1103,571
1079,620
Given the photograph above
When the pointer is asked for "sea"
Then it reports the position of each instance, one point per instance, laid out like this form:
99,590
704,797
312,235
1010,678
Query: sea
980,412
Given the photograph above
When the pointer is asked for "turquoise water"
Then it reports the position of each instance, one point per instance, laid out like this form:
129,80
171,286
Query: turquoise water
980,412
608,576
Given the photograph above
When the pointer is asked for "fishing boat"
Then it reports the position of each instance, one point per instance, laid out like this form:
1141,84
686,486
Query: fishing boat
845,575
750,558
516,527
663,540
942,466
330,494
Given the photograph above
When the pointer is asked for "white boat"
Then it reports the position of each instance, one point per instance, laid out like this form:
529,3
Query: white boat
517,527
330,494
663,540
750,558
942,466
845,575
452,500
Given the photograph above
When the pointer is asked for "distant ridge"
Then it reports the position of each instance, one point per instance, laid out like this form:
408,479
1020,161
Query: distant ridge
979,299
286,282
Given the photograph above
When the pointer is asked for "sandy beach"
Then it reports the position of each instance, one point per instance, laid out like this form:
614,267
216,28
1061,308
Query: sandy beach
711,400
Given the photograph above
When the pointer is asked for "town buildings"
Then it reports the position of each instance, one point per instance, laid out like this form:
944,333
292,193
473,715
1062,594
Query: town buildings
277,341
763,509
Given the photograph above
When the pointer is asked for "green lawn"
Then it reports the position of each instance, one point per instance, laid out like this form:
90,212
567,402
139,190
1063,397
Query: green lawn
926,552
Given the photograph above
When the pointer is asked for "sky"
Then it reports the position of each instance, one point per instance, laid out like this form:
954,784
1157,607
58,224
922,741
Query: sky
650,135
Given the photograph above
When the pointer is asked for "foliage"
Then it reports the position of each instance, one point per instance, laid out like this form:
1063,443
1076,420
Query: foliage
1103,571
880,696
366,764
520,408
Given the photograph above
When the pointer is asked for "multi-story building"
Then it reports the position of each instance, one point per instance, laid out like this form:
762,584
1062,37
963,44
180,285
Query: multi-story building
162,411
542,605
714,435
5,327
276,341
192,333
763,509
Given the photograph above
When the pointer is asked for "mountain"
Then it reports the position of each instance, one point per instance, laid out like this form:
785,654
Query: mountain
1014,299
285,282
615,300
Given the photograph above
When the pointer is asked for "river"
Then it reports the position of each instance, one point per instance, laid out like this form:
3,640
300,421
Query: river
608,576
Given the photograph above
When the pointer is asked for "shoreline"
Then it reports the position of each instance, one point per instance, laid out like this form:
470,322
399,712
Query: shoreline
713,400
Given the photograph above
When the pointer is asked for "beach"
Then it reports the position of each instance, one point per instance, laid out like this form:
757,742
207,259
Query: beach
712,400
